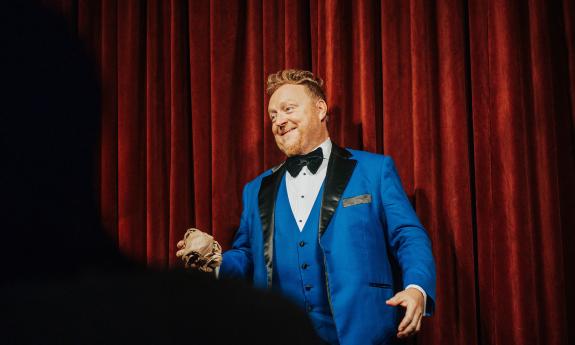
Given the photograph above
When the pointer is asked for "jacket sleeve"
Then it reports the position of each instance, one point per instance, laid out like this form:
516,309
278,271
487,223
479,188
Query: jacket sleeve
237,262
408,239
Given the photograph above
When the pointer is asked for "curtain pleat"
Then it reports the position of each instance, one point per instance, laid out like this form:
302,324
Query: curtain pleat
132,140
109,130
473,99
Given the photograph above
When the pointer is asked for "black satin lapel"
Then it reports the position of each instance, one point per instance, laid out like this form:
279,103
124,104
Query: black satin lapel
339,171
267,201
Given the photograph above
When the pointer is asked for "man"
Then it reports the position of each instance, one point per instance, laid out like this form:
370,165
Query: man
331,228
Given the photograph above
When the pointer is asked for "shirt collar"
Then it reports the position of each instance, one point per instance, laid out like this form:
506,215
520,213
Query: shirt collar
326,148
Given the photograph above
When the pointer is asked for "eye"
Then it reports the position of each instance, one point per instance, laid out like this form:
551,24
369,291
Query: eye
273,117
289,108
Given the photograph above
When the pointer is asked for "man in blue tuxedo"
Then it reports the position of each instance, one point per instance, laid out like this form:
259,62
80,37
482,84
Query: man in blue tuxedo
331,228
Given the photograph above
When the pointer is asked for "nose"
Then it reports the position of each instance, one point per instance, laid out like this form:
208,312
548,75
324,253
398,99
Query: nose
281,120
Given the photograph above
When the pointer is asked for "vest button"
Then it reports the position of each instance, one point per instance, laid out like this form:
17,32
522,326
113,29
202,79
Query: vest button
302,243
309,307
304,266
308,287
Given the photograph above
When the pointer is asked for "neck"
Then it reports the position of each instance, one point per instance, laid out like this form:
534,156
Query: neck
323,137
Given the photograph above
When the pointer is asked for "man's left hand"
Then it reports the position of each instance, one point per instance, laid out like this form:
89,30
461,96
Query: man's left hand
412,300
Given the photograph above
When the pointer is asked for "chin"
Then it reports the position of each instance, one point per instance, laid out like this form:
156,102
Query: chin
290,149
291,152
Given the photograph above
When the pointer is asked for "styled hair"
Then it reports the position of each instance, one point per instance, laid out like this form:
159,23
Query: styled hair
313,84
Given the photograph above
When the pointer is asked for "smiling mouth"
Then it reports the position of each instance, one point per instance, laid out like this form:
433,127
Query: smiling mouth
286,132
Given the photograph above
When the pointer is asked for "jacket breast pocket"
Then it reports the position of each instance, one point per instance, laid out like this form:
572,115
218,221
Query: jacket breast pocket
357,200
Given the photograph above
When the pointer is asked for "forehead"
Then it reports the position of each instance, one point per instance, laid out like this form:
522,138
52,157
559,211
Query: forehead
288,92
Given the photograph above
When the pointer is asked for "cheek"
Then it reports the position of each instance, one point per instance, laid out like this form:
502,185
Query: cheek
304,126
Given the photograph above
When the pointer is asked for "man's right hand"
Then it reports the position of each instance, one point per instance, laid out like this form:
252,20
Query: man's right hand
199,250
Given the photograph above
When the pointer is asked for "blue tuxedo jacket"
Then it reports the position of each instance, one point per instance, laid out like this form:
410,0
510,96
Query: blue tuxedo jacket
372,242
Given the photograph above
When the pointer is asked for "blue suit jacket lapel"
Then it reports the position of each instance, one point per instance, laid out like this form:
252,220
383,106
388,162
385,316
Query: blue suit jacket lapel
339,170
266,202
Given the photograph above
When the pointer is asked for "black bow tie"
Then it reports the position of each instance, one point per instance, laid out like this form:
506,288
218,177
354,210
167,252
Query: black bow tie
312,160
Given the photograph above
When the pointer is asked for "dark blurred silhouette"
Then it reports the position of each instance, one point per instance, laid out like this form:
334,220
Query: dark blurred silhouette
62,280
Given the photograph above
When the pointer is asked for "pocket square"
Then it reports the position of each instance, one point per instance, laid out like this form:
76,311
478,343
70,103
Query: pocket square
356,200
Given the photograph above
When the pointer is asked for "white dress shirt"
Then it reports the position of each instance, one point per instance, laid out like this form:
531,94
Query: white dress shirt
303,189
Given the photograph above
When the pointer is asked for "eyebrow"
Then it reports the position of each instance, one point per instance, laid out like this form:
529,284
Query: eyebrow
283,103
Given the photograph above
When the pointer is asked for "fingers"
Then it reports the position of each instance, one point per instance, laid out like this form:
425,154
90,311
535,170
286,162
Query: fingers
395,300
409,316
418,327
411,322
412,328
180,245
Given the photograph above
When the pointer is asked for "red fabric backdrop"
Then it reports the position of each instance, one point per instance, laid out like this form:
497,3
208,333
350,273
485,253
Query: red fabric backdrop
473,99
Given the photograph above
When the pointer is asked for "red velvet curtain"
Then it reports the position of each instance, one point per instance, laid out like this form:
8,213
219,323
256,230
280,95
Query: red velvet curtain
473,99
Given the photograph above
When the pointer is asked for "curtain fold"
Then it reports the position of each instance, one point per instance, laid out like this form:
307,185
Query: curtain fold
473,99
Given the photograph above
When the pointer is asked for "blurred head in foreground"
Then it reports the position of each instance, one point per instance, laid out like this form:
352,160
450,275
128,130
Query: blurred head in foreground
61,280
49,125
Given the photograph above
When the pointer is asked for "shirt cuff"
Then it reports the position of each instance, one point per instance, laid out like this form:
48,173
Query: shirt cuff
415,286
217,272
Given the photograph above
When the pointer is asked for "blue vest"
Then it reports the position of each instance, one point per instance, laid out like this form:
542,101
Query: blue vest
299,265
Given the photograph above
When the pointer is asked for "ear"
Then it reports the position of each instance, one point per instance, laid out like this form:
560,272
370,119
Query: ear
322,109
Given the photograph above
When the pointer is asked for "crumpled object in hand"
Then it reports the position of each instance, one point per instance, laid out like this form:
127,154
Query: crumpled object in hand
201,251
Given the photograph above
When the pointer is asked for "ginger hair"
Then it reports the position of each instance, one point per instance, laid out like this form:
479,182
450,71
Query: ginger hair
313,84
